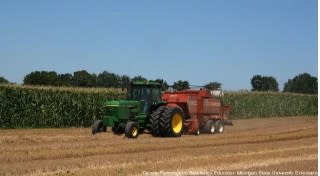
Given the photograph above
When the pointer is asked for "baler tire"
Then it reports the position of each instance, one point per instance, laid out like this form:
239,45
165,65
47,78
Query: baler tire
172,118
131,130
209,127
98,127
219,126
154,121
197,133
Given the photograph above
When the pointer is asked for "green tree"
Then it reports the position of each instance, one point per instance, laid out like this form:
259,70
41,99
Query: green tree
180,85
115,80
50,77
3,80
83,79
93,80
103,79
302,83
164,84
213,86
41,78
64,79
139,78
264,83
32,78
125,81
257,83
106,79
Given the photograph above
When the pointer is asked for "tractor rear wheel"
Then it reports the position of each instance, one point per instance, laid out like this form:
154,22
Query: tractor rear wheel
219,126
171,122
154,120
209,127
98,127
131,130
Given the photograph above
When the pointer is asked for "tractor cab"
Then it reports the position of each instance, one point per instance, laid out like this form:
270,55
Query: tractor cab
147,92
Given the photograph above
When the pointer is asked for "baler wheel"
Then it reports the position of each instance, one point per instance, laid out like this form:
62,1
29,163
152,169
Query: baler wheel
98,127
209,127
219,126
197,133
154,120
171,123
131,130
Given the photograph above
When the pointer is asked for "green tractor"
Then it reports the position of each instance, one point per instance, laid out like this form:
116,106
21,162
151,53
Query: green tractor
143,110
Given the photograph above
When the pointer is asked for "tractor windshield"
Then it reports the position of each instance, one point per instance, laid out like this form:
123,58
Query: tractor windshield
136,93
147,94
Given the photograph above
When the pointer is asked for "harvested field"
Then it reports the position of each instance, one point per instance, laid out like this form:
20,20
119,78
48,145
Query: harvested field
271,144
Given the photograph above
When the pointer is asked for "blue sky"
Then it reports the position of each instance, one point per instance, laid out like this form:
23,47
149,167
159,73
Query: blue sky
227,41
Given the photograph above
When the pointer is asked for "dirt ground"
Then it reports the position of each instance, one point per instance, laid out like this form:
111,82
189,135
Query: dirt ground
274,145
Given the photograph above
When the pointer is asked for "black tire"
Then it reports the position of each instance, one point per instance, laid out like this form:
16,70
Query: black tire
118,130
169,127
197,133
219,126
98,127
155,120
131,130
209,127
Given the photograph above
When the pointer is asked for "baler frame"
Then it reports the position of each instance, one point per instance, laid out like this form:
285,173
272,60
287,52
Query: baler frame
196,112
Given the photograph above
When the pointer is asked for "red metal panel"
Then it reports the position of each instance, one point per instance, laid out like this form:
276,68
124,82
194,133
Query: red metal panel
199,105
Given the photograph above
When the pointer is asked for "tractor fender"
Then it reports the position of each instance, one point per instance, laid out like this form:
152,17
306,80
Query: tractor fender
173,105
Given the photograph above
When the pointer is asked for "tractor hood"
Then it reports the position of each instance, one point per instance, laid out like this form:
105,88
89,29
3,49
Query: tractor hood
120,109
127,103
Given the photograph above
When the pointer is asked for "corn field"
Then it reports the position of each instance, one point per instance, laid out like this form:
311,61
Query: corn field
35,107
52,107
268,104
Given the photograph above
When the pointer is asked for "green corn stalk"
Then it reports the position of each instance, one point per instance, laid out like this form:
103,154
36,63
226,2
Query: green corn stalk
44,107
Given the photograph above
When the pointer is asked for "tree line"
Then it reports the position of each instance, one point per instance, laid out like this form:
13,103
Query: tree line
3,80
81,78
105,79
302,83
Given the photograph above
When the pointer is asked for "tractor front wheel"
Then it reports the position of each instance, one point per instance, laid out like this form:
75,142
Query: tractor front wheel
132,130
118,130
98,127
